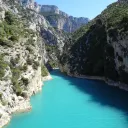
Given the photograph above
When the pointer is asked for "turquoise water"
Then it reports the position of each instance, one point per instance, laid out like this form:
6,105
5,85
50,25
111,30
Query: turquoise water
67,102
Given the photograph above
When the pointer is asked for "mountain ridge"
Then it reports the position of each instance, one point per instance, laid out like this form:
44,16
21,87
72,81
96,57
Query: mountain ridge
55,16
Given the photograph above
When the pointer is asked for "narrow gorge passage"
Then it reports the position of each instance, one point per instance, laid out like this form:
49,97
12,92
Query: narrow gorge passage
67,102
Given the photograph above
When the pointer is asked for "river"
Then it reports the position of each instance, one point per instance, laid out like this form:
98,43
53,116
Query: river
67,102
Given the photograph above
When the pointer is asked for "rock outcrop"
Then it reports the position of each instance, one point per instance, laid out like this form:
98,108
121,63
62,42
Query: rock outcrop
27,3
61,20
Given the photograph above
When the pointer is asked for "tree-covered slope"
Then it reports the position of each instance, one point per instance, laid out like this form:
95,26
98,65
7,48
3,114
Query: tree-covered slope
100,48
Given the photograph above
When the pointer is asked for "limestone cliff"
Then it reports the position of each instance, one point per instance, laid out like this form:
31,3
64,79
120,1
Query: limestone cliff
55,16
24,53
68,24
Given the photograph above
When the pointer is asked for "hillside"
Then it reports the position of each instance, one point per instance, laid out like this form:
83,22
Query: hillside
100,48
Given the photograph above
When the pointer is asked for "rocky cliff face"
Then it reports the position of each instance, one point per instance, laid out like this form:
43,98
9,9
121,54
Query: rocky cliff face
100,48
61,20
68,24
50,8
27,43
20,64
56,17
27,3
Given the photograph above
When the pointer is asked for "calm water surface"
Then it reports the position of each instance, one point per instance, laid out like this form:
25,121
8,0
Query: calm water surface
67,102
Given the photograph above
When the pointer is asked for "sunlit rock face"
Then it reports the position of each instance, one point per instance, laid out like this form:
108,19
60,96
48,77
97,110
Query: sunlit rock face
62,20
55,16
50,8
28,3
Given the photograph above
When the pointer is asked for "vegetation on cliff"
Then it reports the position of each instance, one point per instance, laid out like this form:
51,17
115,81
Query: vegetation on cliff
44,71
100,47
15,35
3,66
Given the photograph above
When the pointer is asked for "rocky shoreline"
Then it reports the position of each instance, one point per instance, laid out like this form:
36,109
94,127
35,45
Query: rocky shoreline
46,78
23,106
107,81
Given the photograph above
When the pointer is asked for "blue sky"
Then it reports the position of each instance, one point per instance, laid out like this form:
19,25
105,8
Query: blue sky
79,8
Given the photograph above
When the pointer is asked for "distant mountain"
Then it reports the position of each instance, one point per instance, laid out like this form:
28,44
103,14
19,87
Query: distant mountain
56,17
123,1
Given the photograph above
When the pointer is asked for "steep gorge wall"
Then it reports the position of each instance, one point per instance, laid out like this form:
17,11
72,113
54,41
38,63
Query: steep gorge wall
22,57
100,48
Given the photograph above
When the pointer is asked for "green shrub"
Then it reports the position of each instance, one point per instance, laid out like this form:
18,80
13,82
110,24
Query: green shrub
14,38
16,73
39,58
14,81
50,48
35,65
44,71
2,32
30,42
3,66
53,64
5,54
17,89
0,95
14,62
24,68
25,81
4,103
29,49
29,61
4,42
9,17
25,94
